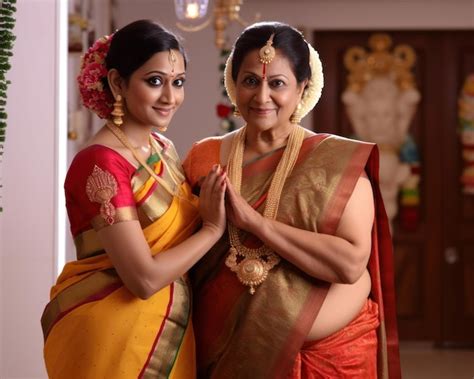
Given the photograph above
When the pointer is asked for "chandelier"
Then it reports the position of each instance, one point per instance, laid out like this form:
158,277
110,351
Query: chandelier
224,12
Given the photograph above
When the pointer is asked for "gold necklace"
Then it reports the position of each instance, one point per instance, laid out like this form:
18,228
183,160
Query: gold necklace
252,265
126,142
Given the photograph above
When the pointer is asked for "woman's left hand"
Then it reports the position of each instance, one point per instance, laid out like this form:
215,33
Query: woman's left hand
239,212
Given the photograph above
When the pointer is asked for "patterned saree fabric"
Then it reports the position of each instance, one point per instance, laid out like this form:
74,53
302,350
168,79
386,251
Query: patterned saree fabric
261,335
93,326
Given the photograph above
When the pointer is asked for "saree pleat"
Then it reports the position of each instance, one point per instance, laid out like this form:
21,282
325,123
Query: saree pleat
94,327
239,335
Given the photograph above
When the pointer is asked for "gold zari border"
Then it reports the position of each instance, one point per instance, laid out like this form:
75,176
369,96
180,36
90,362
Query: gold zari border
122,214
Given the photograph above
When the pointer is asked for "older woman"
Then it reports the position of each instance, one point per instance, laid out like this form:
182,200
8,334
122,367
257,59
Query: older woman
295,289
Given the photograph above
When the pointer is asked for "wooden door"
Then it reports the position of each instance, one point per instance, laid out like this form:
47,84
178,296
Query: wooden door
458,220
435,300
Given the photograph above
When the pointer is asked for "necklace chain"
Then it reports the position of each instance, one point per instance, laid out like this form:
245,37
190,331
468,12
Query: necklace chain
252,265
126,142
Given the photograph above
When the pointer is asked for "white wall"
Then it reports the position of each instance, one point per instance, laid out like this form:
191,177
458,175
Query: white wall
29,195
27,226
197,118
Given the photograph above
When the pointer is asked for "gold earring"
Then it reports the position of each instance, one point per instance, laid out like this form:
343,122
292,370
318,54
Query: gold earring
236,112
117,113
296,116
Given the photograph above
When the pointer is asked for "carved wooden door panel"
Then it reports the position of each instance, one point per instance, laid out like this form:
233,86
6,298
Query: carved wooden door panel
458,220
435,299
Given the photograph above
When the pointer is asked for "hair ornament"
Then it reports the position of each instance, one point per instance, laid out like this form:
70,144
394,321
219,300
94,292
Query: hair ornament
267,52
313,90
172,58
92,76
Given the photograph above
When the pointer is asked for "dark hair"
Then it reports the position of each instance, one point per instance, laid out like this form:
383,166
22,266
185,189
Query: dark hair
137,42
287,40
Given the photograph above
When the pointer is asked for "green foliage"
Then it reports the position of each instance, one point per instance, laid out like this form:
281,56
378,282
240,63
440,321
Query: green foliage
7,23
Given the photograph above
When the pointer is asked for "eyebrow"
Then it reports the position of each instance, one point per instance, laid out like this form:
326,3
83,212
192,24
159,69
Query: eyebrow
269,77
163,73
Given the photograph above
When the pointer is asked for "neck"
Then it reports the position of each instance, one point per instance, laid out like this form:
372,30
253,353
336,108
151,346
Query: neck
264,141
138,135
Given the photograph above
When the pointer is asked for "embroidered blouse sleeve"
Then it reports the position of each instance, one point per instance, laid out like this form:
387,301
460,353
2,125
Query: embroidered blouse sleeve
98,189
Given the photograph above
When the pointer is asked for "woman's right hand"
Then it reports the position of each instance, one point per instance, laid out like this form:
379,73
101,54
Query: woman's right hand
211,200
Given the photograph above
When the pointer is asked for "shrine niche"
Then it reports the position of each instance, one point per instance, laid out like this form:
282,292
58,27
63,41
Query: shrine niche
381,99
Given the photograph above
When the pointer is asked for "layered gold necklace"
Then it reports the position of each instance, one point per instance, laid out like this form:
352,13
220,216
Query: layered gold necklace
253,265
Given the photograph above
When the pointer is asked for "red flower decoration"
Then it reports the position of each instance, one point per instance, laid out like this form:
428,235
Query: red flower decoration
91,76
223,110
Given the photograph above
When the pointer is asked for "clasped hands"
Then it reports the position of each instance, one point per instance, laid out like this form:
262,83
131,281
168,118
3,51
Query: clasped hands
219,202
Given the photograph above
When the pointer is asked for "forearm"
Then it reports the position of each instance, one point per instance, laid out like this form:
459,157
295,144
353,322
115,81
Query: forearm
144,274
323,256
169,265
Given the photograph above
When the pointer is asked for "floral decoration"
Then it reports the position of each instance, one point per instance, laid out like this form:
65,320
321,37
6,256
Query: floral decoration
92,76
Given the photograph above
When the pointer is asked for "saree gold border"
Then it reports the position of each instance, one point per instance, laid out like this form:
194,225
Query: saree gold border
87,244
158,202
75,295
350,157
121,214
167,348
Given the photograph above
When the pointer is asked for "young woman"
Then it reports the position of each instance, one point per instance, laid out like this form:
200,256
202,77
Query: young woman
123,309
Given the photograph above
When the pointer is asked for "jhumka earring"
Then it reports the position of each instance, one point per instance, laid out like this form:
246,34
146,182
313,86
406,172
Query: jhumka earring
296,116
117,113
236,112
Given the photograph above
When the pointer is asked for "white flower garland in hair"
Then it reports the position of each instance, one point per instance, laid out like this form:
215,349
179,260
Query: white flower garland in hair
311,94
229,83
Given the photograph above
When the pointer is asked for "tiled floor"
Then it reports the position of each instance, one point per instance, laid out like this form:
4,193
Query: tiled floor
421,360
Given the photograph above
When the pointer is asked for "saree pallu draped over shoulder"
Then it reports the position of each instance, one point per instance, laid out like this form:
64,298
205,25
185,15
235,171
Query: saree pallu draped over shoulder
95,328
240,335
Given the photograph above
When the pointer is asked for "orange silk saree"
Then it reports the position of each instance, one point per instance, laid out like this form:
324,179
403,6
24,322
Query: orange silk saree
261,335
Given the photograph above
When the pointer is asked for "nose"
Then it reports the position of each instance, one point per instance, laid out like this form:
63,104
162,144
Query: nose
167,94
263,93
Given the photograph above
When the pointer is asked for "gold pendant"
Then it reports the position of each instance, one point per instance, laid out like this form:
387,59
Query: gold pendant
251,271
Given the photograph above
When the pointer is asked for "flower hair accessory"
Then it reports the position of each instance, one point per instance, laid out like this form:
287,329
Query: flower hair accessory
94,95
311,94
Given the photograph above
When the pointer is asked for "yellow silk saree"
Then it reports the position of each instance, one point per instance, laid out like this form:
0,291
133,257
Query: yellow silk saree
94,327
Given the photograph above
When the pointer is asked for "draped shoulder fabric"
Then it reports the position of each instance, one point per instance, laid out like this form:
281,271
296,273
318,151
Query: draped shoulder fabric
93,326
260,335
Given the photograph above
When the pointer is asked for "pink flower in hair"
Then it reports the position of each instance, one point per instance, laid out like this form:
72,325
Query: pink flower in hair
92,76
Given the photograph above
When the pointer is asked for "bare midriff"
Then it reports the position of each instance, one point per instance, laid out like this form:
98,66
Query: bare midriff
342,305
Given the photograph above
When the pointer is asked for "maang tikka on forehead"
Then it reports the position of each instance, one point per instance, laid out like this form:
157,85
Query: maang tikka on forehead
266,54
172,58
